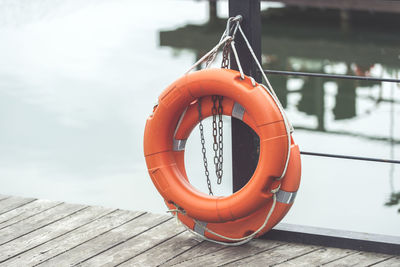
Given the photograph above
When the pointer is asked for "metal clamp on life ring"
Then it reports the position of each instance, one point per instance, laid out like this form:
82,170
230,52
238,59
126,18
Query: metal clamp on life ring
270,192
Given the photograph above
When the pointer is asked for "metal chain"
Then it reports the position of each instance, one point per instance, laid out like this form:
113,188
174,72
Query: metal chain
218,145
220,140
203,148
225,55
210,59
218,131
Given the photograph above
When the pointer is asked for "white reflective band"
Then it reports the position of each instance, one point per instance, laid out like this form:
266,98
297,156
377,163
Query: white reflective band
238,111
200,227
285,197
179,145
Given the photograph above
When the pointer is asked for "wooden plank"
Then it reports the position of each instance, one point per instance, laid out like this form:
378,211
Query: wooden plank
199,250
107,241
26,211
12,203
360,259
54,234
137,245
230,254
35,222
318,257
73,239
51,231
276,255
391,262
165,251
3,197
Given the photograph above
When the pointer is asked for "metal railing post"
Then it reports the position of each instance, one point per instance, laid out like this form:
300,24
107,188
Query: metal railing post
244,140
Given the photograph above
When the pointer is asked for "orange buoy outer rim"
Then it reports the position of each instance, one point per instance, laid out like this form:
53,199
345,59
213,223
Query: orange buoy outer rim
267,121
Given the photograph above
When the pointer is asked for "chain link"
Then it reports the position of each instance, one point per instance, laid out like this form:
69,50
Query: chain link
203,148
210,59
225,55
220,140
218,136
217,132
218,145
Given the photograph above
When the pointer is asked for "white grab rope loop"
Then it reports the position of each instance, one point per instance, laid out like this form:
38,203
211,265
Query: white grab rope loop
238,241
237,60
228,38
270,90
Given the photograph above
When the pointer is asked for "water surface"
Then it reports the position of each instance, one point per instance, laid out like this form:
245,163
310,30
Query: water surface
79,78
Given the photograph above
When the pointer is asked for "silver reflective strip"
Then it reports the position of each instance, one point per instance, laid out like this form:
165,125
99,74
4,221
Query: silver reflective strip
199,227
285,197
179,145
238,111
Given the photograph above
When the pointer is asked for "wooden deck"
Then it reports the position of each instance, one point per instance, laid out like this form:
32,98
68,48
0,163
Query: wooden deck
49,233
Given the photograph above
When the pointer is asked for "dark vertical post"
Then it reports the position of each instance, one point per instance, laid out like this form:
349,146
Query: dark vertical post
212,11
244,140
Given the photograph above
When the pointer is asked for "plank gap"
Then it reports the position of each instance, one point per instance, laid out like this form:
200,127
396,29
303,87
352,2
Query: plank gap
248,256
55,237
350,254
297,256
146,250
14,206
199,255
181,253
28,216
381,261
113,228
4,197
44,225
121,242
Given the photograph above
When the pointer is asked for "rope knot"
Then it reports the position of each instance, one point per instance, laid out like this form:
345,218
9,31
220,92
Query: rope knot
176,210
275,190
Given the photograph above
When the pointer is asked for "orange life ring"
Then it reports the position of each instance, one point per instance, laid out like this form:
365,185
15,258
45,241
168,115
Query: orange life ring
166,130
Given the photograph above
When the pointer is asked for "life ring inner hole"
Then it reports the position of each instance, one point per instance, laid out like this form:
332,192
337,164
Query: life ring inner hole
194,161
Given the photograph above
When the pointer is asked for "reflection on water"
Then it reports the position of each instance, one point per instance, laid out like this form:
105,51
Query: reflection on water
79,78
330,115
364,48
